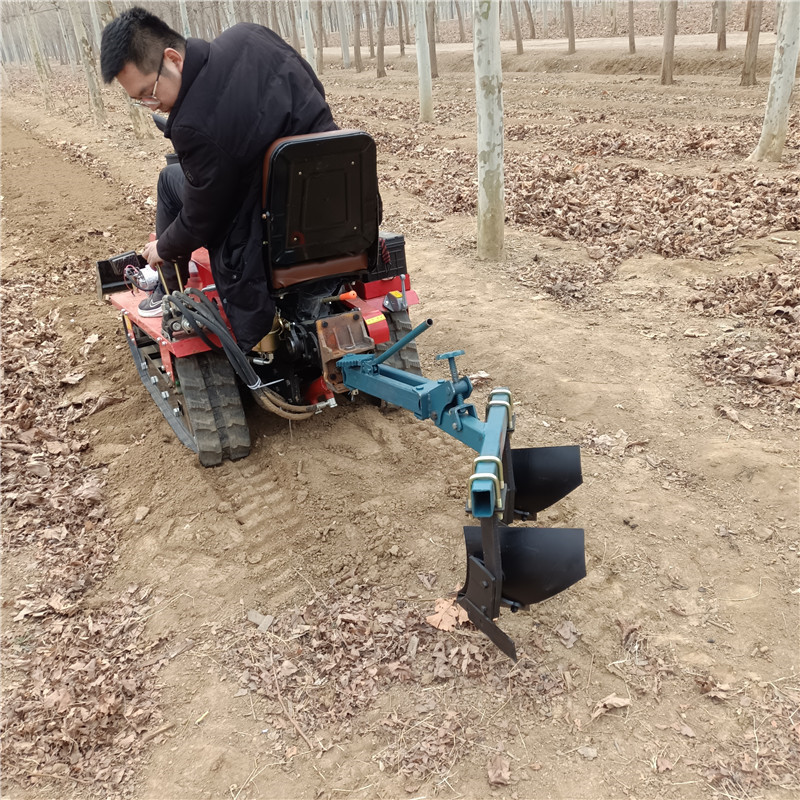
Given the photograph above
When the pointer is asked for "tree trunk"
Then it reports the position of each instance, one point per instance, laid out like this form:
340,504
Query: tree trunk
489,100
400,15
751,48
341,10
748,9
187,31
631,37
292,18
95,42
381,36
462,36
357,35
784,64
38,59
368,21
308,35
670,26
430,24
529,13
423,62
229,14
68,41
407,21
569,23
545,19
722,22
87,57
517,27
319,24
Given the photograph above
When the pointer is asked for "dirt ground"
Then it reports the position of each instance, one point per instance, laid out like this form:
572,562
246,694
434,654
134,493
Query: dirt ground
645,309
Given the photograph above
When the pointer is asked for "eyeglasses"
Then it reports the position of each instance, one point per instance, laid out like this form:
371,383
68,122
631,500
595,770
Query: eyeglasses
150,100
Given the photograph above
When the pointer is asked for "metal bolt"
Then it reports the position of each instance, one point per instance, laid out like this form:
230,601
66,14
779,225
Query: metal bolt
455,426
176,412
485,584
153,379
165,395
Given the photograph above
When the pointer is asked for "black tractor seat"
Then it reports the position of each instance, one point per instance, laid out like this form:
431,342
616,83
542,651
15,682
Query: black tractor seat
320,207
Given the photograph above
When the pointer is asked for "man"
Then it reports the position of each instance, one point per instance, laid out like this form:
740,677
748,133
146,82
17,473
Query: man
227,100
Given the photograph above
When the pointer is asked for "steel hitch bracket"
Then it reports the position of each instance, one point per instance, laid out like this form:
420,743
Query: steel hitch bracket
511,566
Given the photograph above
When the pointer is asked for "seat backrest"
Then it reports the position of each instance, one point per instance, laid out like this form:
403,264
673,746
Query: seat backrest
320,202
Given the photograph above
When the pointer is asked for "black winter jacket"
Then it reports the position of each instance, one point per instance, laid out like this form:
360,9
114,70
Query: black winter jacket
238,94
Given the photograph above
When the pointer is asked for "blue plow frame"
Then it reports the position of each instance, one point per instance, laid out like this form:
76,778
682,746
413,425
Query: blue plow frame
492,487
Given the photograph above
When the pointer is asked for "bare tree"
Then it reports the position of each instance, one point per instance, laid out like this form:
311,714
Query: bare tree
88,60
381,37
569,23
38,57
722,22
631,37
751,48
784,64
489,99
423,62
670,27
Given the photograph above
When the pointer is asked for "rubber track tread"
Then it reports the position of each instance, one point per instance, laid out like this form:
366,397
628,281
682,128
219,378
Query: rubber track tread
198,410
408,358
226,405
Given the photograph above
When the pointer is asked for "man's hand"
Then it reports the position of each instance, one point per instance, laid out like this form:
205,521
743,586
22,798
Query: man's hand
150,254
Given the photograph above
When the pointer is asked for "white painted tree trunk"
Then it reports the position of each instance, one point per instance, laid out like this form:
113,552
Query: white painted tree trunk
489,100
343,12
781,82
308,35
229,14
187,31
85,52
423,62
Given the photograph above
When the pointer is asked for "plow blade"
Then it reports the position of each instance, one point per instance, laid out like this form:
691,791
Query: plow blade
544,475
535,564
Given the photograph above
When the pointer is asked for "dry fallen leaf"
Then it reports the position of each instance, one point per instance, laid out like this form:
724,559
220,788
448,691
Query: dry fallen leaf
568,632
607,703
499,769
448,614
589,753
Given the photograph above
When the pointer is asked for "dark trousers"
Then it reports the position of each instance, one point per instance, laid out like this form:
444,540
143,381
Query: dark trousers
169,203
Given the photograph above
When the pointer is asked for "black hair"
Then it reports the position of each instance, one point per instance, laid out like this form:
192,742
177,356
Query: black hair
137,37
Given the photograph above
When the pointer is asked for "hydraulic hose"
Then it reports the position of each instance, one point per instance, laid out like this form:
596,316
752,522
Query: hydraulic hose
204,314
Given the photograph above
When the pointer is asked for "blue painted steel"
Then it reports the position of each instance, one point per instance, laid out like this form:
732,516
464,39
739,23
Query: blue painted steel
442,402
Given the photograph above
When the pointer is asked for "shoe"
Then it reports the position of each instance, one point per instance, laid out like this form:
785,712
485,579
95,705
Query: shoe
151,305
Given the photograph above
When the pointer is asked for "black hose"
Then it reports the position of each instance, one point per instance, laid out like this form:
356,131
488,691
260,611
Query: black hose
209,316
